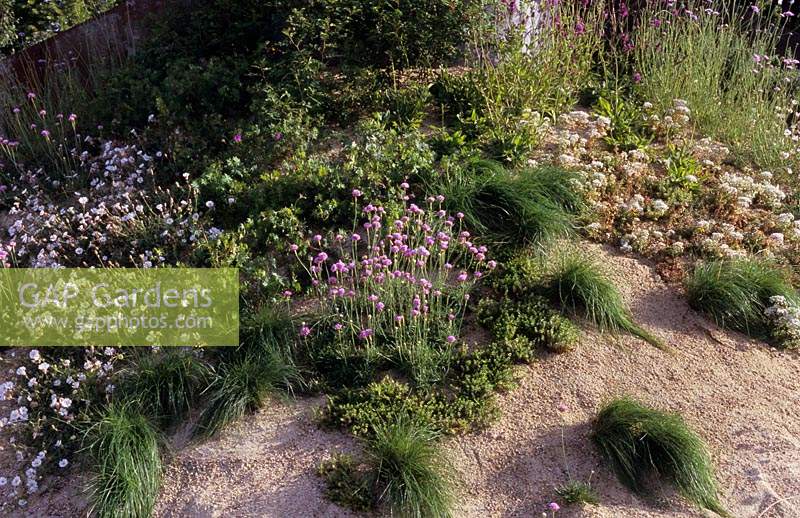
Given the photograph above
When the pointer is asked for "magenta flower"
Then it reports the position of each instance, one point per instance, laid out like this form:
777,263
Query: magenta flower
356,193
277,136
237,138
451,339
365,333
287,293
337,326
553,506
305,331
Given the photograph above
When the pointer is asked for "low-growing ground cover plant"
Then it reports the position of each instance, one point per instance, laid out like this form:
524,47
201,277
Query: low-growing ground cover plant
639,441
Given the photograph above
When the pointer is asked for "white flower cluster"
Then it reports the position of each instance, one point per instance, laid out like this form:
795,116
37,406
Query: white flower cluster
105,224
46,397
748,191
784,316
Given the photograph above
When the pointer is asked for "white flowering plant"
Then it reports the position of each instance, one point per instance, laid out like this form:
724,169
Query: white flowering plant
50,395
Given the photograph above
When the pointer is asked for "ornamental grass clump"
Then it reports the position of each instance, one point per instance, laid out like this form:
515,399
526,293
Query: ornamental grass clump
512,210
124,449
581,285
392,292
164,383
243,385
639,442
736,293
411,474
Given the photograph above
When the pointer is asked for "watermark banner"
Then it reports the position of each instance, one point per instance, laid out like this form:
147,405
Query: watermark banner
119,307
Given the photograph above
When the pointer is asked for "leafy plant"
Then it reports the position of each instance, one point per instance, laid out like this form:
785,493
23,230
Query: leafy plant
525,325
736,292
578,492
639,441
627,123
347,484
124,449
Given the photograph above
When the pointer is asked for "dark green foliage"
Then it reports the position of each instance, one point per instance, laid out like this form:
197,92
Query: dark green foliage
412,475
126,464
362,411
581,286
164,384
347,484
400,34
25,22
512,210
243,384
577,492
523,326
193,73
639,441
736,292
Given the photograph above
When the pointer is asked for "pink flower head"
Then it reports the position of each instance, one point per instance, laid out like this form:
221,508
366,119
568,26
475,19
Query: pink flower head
451,339
293,248
356,193
287,293
237,138
31,96
553,506
355,237
321,258
365,333
305,331
562,407
338,327
277,136
72,117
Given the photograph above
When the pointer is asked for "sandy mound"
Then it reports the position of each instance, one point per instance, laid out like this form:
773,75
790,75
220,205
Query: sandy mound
742,396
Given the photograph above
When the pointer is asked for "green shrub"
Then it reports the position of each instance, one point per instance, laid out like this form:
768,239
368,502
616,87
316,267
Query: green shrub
639,441
412,475
523,326
126,464
398,34
735,292
164,385
579,283
242,385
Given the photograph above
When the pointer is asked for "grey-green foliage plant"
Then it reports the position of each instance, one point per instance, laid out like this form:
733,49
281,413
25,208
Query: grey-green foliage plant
735,292
123,447
639,441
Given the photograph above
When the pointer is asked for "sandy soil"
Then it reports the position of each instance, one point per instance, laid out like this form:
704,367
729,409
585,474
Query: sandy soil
742,397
